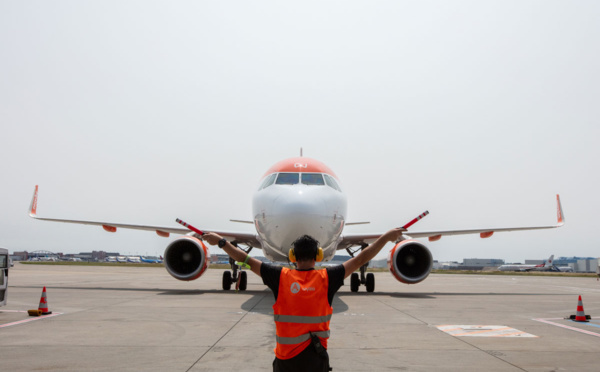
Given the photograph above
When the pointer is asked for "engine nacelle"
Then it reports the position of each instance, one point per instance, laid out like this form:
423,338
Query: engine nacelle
186,258
410,262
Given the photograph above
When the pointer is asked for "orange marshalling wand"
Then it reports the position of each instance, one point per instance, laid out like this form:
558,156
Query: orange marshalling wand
181,222
415,220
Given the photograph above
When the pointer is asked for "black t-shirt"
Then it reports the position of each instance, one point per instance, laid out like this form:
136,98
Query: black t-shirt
270,275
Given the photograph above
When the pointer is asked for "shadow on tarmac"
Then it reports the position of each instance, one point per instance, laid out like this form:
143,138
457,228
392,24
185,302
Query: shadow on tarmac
262,301
197,292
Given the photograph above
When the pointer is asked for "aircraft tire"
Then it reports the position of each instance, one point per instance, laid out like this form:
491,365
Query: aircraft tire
370,282
354,282
227,280
243,280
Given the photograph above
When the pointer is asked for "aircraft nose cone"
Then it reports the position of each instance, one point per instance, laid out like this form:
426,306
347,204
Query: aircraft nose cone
298,215
302,208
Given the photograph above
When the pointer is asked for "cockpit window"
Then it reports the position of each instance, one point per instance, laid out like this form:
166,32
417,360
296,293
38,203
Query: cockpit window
331,182
288,179
312,179
268,181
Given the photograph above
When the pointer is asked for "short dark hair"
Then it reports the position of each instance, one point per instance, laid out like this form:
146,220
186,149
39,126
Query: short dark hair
306,248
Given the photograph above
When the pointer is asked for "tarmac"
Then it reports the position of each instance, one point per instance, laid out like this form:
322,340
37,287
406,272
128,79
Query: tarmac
141,319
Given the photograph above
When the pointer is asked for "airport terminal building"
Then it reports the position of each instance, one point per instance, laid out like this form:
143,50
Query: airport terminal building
579,264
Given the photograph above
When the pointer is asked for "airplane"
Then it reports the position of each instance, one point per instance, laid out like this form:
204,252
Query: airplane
150,259
562,269
297,196
134,259
546,266
550,266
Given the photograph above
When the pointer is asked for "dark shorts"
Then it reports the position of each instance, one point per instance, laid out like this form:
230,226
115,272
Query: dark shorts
307,360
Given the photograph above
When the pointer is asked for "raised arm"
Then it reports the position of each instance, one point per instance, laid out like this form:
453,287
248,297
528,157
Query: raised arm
233,252
371,251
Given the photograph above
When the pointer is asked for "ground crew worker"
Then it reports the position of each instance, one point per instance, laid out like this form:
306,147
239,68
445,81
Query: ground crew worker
303,298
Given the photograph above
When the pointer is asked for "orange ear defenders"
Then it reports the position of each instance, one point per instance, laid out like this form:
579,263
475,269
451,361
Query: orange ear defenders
292,255
319,257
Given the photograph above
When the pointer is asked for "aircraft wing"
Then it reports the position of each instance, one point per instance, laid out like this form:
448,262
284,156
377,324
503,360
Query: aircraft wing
350,240
249,239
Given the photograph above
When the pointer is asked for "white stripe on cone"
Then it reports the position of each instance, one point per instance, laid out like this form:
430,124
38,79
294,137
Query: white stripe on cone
580,316
44,303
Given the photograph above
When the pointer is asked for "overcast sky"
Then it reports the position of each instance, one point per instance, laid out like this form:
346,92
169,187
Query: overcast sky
142,112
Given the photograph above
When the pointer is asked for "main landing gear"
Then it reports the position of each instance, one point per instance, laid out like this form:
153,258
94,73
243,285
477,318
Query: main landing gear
236,275
368,280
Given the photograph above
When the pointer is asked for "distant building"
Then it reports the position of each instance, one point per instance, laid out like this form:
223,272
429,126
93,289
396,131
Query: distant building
20,256
219,258
37,255
262,259
449,265
587,265
84,256
224,259
579,264
377,264
473,264
483,262
338,258
100,255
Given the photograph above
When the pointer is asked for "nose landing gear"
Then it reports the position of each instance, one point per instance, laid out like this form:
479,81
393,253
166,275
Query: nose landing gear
236,275
368,280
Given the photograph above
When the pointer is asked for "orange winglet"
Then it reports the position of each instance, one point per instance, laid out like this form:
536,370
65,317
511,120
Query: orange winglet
486,234
559,212
109,228
162,234
435,238
33,206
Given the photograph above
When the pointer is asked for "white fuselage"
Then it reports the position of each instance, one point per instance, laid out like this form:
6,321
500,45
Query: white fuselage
517,267
284,212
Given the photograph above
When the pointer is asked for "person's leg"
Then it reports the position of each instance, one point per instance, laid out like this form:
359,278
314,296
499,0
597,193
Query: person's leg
307,360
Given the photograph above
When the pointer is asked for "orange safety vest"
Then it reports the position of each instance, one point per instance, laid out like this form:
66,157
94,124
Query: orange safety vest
301,307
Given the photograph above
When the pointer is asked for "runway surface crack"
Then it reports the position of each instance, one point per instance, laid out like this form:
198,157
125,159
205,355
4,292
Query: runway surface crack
400,311
226,333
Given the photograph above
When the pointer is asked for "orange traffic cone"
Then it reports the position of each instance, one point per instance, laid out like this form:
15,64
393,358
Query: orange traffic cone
44,303
580,317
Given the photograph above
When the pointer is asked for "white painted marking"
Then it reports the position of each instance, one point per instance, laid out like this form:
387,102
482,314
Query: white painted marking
547,321
482,331
31,319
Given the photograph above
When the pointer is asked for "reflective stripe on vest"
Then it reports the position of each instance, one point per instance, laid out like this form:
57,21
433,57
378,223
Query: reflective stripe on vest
302,319
301,308
301,338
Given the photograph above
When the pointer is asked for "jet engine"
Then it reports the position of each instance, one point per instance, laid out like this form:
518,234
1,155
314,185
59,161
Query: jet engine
410,262
186,258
